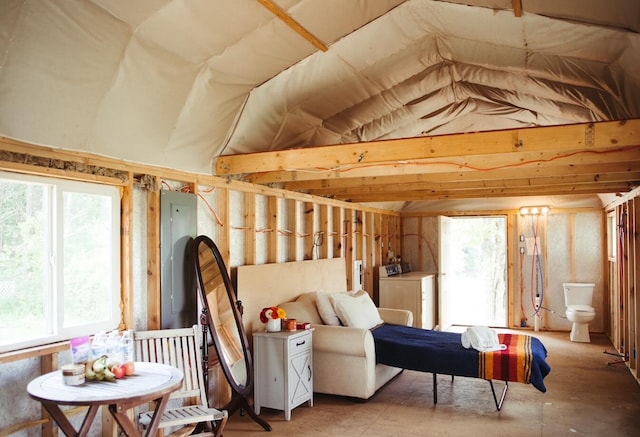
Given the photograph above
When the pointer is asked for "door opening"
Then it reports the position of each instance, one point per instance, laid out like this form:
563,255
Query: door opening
475,290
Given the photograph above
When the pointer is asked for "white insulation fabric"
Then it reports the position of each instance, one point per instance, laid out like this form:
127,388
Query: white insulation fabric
177,83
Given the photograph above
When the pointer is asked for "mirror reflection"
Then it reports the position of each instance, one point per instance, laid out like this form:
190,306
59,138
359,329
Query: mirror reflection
222,315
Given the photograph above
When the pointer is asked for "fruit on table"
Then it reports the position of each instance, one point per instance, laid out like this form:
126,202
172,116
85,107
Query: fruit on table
98,370
118,371
129,368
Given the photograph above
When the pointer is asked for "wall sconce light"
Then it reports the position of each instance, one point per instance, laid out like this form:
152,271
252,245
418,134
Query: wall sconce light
534,210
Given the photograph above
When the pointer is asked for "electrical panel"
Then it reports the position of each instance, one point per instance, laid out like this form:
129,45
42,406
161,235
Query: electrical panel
178,226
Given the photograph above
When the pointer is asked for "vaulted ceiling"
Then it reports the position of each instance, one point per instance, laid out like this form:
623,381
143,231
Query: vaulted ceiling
365,101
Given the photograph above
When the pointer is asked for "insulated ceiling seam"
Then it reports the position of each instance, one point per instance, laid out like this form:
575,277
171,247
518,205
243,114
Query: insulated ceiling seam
553,96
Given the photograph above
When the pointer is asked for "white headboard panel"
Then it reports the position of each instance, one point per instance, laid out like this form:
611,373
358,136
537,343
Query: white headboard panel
264,285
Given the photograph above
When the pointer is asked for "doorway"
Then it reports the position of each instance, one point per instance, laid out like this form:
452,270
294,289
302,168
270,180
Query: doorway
473,266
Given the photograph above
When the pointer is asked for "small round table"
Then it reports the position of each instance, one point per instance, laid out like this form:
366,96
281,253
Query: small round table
151,382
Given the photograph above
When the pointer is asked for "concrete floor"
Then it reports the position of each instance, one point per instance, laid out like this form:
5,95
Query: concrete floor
586,396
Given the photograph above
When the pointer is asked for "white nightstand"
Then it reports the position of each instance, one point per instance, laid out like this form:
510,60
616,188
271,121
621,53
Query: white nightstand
283,369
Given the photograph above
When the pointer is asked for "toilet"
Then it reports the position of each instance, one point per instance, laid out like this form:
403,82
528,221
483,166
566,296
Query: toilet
578,300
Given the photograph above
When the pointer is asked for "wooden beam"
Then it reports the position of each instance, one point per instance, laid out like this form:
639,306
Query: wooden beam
517,8
586,136
273,237
127,259
250,219
622,171
525,183
291,209
154,261
519,161
277,11
554,190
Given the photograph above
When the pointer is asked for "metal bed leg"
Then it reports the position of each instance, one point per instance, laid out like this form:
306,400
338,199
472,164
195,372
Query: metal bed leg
493,391
504,394
435,388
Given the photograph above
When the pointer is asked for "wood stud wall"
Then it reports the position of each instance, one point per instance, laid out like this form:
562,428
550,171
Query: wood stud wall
295,225
624,278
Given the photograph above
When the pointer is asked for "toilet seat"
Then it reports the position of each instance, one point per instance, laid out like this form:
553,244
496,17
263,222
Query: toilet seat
581,309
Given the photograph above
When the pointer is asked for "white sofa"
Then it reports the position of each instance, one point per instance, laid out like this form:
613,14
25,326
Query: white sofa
343,357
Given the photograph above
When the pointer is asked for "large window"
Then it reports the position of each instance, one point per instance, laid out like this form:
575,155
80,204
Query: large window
59,259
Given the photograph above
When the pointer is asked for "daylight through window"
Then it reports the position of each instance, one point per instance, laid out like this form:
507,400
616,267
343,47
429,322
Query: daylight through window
59,259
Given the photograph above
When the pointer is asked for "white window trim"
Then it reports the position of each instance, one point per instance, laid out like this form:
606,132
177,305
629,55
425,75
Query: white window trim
58,188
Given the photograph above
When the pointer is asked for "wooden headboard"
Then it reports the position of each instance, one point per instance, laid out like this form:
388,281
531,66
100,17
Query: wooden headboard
263,285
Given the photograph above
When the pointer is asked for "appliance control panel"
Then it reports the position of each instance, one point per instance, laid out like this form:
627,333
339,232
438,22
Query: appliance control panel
390,270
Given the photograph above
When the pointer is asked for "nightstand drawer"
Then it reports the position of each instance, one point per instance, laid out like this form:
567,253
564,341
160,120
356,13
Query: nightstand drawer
299,344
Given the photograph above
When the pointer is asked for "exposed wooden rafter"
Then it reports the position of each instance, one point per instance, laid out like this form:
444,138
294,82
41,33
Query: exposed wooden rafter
277,11
517,8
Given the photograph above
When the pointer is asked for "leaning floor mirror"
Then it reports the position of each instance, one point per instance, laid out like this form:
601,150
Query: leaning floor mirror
223,323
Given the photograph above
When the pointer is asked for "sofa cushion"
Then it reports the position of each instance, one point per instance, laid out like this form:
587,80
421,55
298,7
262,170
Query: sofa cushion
356,310
326,309
302,311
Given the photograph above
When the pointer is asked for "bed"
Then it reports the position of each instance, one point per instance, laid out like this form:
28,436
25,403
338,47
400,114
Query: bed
437,352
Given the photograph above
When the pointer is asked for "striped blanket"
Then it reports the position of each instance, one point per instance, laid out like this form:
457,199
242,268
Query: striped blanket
512,364
424,350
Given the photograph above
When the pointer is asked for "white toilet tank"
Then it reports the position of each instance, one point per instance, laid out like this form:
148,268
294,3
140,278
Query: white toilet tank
578,293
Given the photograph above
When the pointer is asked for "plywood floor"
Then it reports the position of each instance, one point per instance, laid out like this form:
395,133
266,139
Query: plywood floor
586,396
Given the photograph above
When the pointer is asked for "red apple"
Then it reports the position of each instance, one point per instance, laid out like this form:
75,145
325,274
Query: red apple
129,368
118,371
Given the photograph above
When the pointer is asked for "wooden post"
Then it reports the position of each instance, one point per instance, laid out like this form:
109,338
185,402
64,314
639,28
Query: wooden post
153,260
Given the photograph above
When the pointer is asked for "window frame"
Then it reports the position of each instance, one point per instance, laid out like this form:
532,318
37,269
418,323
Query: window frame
56,188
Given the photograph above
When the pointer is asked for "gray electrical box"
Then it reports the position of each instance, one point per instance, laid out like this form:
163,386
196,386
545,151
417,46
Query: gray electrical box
178,226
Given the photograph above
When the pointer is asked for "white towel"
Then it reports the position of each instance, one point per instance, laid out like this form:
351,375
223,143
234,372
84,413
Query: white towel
482,338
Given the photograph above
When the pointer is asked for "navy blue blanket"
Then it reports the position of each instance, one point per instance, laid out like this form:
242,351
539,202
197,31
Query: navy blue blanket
424,350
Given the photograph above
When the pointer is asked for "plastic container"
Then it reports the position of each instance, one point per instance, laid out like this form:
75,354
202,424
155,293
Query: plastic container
126,344
99,345
73,374
114,350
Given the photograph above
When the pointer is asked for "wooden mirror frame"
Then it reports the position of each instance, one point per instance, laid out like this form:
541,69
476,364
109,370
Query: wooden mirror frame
210,269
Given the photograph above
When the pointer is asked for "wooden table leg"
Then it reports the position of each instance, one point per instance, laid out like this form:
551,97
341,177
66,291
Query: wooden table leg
119,413
65,425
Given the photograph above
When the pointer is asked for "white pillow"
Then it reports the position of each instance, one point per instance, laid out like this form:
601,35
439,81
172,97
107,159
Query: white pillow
325,308
356,310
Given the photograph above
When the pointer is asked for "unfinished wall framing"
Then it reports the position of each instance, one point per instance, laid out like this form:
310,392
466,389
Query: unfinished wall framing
251,224
623,265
